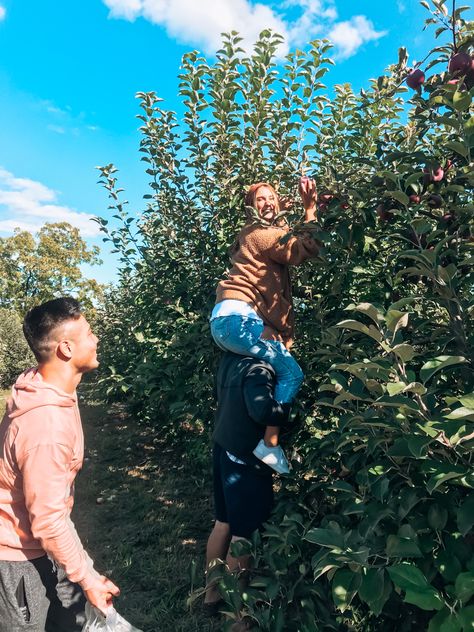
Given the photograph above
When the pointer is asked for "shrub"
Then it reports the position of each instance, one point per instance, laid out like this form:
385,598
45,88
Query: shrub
15,355
373,531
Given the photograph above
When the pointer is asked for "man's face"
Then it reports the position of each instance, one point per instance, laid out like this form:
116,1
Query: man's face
82,344
266,203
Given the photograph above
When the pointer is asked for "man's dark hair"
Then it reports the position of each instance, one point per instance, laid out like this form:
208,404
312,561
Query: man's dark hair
41,321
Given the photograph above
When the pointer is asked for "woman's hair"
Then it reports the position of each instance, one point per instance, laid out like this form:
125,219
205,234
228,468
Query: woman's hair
251,194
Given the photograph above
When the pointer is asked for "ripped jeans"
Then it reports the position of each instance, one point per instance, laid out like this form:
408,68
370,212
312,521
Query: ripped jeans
242,335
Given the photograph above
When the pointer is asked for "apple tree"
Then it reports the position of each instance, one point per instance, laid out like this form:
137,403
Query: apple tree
374,528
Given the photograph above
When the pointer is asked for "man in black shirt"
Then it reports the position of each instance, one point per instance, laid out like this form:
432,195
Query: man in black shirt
243,490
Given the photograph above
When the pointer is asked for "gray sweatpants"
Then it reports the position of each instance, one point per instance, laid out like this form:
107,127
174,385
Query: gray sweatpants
36,596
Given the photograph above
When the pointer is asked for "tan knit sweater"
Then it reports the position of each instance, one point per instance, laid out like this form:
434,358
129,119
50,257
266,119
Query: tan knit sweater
260,276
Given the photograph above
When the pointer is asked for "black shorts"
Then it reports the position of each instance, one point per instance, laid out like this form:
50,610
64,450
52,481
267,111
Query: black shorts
243,495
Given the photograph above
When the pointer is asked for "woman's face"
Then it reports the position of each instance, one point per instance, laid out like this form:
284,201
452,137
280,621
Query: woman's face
266,203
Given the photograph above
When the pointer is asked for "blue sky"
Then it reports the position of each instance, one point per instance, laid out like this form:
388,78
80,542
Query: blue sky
69,73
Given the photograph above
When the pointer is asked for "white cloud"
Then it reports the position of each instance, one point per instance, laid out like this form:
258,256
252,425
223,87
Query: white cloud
201,23
57,129
28,205
3,13
349,36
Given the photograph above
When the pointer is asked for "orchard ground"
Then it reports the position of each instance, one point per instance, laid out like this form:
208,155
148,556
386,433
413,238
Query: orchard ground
144,515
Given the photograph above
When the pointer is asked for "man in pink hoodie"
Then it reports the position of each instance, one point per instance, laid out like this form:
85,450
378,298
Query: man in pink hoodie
43,565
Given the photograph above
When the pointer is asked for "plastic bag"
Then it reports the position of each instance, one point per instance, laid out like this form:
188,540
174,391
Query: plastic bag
112,622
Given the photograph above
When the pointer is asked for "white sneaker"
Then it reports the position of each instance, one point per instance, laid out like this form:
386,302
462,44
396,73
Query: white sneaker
273,457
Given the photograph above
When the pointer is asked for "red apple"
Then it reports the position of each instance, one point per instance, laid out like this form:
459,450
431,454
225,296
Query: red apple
435,200
415,199
323,207
434,173
383,214
437,173
326,197
344,205
415,79
460,64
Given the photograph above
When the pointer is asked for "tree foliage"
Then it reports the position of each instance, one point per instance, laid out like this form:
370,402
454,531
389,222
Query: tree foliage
373,530
15,355
37,268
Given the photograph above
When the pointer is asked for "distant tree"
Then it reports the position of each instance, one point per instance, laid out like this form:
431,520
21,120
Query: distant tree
36,268
15,355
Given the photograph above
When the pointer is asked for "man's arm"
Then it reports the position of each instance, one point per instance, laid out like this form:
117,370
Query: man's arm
46,474
258,387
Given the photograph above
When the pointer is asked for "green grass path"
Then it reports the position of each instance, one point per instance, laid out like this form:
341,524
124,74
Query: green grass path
143,516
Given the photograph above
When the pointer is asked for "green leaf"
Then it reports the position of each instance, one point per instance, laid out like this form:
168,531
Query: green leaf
370,310
458,147
436,364
399,196
466,616
442,472
401,547
461,101
345,585
404,352
437,517
418,445
394,388
467,400
357,326
428,599
464,586
465,515
372,586
407,577
445,621
448,565
396,320
461,413
325,537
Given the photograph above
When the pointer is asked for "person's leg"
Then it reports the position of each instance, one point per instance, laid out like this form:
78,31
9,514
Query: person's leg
271,436
237,564
219,538
249,499
67,605
23,599
217,549
243,335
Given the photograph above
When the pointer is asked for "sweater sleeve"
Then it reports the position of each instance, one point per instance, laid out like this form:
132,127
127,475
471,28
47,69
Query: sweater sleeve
47,495
286,250
258,389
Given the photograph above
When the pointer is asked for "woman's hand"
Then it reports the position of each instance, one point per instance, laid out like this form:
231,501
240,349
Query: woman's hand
307,190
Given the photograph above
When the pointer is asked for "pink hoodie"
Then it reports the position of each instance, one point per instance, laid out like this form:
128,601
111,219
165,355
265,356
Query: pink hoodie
41,451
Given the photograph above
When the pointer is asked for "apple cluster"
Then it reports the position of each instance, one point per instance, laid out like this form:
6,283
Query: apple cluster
460,65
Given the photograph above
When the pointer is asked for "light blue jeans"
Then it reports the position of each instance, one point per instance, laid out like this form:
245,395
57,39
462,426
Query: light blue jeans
242,335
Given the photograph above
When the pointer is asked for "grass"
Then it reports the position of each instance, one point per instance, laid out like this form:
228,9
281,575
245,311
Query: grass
144,515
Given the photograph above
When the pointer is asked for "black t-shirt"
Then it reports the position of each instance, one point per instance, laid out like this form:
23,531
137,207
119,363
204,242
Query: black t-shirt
245,404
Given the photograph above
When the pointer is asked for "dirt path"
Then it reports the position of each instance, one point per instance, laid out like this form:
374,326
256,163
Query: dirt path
144,516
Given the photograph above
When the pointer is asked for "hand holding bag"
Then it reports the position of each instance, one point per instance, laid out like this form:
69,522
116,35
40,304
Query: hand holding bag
111,622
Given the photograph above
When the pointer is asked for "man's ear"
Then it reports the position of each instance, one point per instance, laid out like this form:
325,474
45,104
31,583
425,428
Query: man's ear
64,349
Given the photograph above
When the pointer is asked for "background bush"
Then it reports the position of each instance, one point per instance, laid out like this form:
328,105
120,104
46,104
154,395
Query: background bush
373,530
15,355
